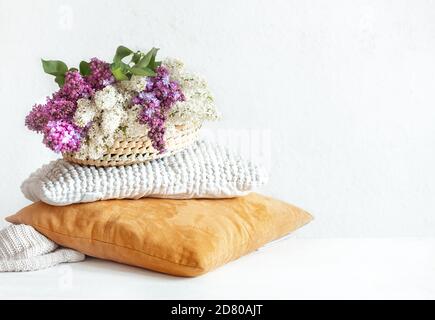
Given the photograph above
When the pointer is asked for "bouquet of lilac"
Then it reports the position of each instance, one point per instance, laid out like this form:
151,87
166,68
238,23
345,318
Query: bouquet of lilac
101,102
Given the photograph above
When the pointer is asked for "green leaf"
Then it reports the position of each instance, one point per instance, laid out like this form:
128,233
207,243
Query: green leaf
153,64
85,69
118,72
146,59
54,67
136,57
142,71
60,80
121,52
125,67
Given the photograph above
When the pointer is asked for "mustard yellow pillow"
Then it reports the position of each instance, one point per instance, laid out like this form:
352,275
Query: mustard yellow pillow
178,237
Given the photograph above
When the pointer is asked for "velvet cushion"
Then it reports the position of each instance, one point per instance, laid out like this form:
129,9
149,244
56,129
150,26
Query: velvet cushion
178,237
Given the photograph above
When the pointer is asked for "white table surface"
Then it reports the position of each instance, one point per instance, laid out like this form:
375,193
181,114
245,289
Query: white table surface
290,269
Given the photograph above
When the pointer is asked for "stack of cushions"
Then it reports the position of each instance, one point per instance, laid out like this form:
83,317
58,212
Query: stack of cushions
184,215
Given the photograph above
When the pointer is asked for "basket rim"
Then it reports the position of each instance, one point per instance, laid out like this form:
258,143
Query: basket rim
131,150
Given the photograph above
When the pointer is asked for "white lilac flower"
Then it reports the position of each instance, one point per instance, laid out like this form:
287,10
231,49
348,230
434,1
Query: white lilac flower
107,98
85,112
111,120
132,127
94,146
199,102
135,84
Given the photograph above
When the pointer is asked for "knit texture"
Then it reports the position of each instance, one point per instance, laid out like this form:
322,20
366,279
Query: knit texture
203,170
22,248
21,241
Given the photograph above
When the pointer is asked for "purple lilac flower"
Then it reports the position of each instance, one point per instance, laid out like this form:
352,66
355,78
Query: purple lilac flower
37,118
54,118
101,75
75,87
159,95
54,109
62,136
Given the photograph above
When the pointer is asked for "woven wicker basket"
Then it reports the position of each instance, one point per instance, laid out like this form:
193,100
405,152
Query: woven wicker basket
136,150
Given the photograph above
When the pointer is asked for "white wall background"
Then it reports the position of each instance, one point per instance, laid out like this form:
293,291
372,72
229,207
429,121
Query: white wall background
346,90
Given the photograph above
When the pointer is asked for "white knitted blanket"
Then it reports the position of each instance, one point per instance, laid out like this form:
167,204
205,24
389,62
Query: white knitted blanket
203,170
22,248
